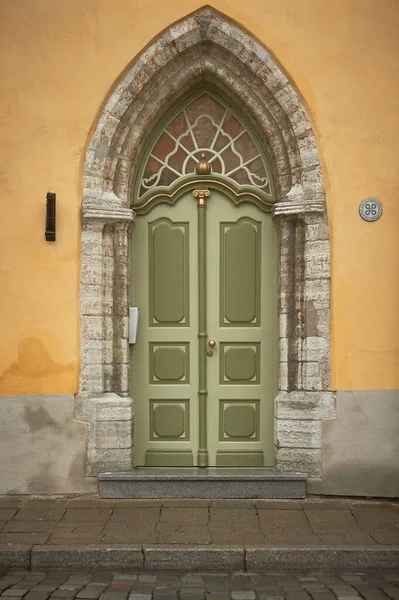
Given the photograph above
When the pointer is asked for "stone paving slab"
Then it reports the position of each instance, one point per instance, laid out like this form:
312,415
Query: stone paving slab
131,585
44,532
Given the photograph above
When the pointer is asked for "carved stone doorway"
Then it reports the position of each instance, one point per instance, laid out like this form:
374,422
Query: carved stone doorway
205,47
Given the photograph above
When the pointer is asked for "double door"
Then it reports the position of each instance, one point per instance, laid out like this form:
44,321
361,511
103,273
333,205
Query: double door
204,362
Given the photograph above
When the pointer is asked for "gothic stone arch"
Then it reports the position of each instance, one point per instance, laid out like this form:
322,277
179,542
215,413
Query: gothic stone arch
205,48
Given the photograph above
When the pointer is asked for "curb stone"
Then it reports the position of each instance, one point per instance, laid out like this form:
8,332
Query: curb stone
194,558
197,558
15,557
328,559
87,557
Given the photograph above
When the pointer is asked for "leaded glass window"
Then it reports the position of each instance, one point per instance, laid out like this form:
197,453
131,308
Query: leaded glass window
206,126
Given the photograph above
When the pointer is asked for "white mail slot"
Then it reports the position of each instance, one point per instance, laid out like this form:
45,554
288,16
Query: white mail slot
133,324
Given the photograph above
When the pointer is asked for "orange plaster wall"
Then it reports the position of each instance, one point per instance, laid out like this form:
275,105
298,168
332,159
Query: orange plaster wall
59,59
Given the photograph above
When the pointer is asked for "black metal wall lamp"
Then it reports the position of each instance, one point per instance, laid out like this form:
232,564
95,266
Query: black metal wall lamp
50,217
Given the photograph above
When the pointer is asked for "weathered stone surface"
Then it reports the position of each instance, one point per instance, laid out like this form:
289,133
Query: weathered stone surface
298,434
318,291
317,262
113,408
304,405
110,459
298,460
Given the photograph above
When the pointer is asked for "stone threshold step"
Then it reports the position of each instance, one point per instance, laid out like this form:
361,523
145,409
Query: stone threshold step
155,482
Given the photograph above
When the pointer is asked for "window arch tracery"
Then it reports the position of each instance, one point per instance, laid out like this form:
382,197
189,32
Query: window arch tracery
207,126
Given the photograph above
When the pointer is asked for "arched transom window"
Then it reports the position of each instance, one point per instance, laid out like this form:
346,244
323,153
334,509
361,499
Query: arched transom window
205,125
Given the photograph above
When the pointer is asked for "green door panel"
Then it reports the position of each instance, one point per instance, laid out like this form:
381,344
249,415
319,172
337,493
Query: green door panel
168,273
165,356
240,279
200,274
242,315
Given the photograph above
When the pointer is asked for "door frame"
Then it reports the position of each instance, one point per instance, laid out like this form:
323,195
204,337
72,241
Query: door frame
214,48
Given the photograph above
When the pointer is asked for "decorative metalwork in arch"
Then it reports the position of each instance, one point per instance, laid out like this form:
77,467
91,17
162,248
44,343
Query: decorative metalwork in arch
204,126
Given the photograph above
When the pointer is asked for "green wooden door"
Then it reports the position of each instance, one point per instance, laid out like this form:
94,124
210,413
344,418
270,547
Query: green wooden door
199,270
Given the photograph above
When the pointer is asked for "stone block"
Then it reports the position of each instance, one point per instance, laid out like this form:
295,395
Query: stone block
109,459
315,348
112,408
121,372
291,349
298,460
283,376
113,434
121,353
297,434
194,558
288,99
299,121
301,405
283,325
273,78
89,557
121,327
91,244
91,328
317,259
91,378
312,182
108,271
318,291
109,378
317,231
17,557
330,559
308,150
311,376
93,302
91,272
323,323
108,351
91,351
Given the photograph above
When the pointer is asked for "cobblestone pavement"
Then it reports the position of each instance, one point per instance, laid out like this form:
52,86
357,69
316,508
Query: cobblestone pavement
203,586
89,520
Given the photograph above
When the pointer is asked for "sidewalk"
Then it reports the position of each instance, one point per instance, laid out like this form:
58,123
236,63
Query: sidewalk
87,532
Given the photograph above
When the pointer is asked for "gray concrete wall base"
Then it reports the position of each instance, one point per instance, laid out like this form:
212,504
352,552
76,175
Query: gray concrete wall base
42,447
360,446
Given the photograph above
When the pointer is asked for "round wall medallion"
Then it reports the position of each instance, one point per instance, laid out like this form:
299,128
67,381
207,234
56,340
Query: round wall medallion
370,209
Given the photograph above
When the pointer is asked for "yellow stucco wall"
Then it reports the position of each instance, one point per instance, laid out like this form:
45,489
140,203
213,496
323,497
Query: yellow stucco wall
59,59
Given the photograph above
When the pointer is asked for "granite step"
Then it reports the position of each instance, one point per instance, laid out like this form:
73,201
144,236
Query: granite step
155,482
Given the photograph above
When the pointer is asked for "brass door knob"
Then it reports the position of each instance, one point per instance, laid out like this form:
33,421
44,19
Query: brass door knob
211,343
